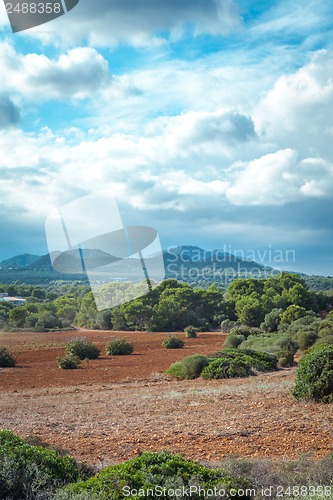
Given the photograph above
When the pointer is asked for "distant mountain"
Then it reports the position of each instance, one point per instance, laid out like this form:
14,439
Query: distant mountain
18,261
188,263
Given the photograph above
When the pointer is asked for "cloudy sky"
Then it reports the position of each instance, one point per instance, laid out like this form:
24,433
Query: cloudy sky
210,120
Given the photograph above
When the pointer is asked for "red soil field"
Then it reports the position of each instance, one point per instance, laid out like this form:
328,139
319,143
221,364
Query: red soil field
116,407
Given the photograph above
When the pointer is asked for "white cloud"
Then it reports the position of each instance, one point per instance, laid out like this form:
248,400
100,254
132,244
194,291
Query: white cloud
280,178
141,22
75,75
298,111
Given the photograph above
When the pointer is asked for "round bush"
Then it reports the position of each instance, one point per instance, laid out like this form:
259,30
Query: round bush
32,471
82,348
189,367
7,360
119,347
191,332
233,340
68,362
226,368
314,376
173,342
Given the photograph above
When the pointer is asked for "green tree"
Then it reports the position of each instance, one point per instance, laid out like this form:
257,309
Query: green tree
272,320
17,316
293,313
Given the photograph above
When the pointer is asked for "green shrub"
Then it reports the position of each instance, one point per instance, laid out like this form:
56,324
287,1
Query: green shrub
272,320
119,347
285,358
246,331
191,332
227,325
82,348
324,341
68,362
151,470
293,313
325,332
7,360
314,376
279,344
176,370
226,368
173,342
32,471
189,367
306,339
261,361
233,340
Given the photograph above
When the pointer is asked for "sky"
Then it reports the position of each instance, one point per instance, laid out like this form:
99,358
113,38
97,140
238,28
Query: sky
208,120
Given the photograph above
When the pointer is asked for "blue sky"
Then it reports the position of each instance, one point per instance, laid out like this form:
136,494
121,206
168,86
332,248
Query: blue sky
210,120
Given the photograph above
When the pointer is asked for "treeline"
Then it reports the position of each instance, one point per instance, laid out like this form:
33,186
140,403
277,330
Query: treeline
171,306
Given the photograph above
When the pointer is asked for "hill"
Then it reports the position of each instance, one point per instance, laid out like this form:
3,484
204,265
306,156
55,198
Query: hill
18,261
186,263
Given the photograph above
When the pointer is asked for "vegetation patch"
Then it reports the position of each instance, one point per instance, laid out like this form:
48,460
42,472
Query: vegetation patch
224,364
119,347
189,367
173,342
153,472
68,362
278,344
7,360
191,332
82,348
32,471
226,368
314,377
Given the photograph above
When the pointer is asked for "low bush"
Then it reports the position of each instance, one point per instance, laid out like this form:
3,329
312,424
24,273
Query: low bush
233,340
150,471
261,361
279,344
32,471
306,339
7,360
285,358
226,368
246,331
314,376
189,367
119,347
173,342
191,332
324,341
68,362
227,325
82,348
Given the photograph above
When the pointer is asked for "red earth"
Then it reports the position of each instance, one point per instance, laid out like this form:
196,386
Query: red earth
118,406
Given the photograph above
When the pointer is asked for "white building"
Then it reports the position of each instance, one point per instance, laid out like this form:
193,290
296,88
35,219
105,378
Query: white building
16,301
